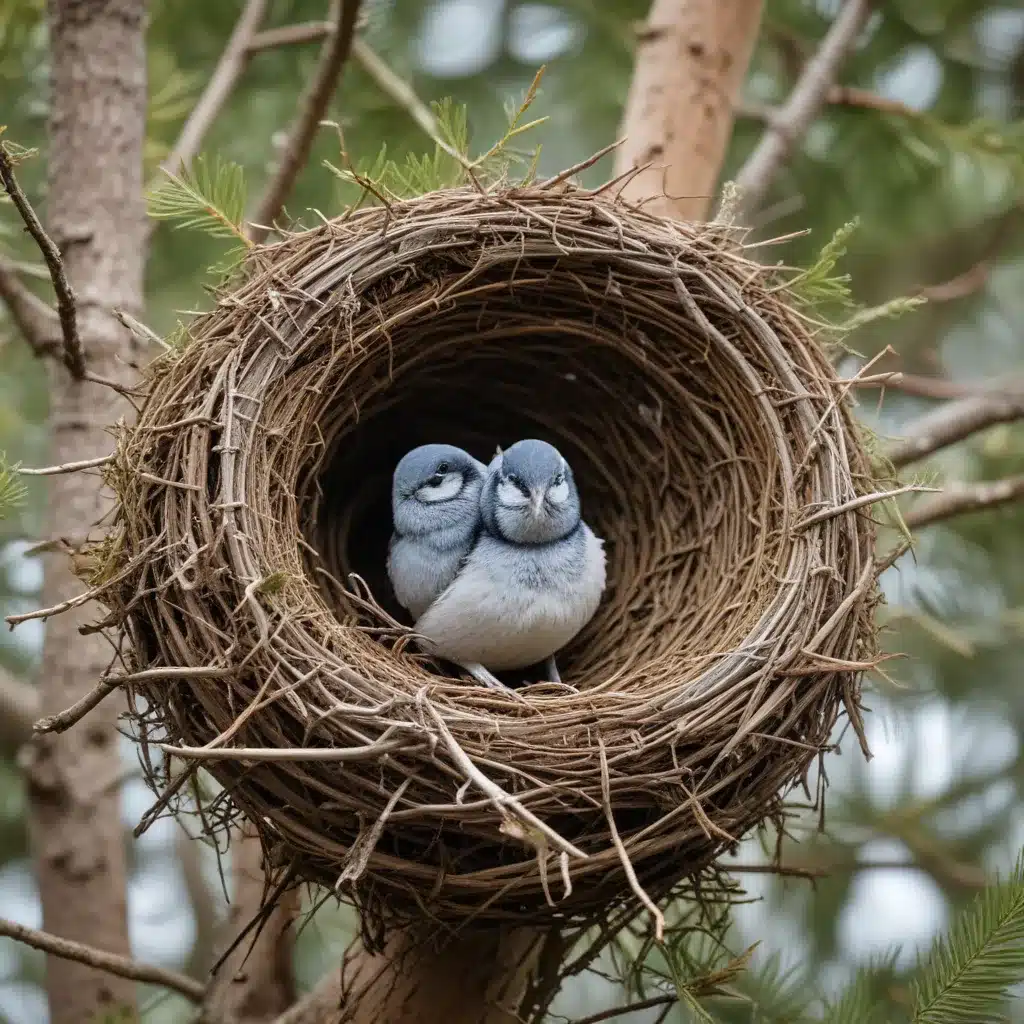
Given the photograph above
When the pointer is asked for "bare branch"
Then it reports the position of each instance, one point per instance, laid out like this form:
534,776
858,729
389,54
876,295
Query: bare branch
289,35
953,422
122,966
960,498
807,98
937,387
229,69
74,355
312,108
620,1011
35,320
19,705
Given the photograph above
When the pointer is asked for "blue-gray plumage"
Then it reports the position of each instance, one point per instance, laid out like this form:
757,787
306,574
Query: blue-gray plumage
533,579
435,509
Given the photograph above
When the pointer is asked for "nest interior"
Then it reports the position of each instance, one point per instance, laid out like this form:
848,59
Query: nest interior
715,454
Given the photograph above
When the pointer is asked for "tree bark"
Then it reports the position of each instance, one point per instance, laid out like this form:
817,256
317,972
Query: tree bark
692,57
97,218
479,977
254,985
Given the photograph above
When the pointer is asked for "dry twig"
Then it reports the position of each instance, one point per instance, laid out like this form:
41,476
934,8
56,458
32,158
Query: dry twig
122,966
793,120
960,498
74,355
954,422
37,323
312,108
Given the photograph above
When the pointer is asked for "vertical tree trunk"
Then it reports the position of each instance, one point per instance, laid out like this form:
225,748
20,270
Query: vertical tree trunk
97,218
691,60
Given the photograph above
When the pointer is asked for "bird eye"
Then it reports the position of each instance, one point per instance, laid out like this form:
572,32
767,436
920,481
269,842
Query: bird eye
442,468
517,481
560,479
436,480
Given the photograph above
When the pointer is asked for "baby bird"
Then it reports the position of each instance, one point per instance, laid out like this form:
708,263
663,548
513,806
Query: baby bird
435,508
533,579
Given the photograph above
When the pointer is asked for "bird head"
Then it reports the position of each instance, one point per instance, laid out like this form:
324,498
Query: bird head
435,486
530,496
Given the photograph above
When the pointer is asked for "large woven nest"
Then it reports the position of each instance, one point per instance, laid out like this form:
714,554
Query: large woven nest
714,452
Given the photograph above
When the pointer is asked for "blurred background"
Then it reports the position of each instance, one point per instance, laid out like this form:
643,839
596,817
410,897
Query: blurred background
931,160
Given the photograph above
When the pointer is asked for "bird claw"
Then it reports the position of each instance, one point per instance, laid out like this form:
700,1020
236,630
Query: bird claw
551,668
483,675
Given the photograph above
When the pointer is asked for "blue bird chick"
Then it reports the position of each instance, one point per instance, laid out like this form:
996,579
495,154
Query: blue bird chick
435,510
533,579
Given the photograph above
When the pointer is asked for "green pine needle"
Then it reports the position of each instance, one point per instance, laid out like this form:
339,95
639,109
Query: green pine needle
968,972
864,1000
210,197
12,491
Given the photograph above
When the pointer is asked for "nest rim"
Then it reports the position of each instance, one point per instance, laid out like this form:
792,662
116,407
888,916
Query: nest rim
665,775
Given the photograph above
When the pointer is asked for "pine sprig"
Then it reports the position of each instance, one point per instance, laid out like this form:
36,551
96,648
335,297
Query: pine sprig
209,197
863,1000
968,972
12,491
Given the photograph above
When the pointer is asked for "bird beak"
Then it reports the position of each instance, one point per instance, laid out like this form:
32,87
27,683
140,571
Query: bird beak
536,502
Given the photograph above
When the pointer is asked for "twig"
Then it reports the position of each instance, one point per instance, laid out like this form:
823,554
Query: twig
36,321
858,502
799,111
396,89
122,966
229,69
66,467
935,387
953,422
960,498
836,96
70,716
74,355
311,111
289,35
621,1011
368,752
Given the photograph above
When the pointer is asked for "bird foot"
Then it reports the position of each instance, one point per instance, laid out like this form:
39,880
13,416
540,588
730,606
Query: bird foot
551,668
483,675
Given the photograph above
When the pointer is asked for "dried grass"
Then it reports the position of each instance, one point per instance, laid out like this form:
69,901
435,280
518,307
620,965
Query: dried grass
715,453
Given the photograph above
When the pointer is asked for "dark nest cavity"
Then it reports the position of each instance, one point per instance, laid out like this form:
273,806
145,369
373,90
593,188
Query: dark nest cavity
715,454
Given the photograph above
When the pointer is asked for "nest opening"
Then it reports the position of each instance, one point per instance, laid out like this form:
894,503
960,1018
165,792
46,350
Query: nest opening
714,454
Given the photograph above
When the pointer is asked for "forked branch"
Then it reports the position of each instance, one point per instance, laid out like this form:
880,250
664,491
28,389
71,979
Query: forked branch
809,95
74,354
312,108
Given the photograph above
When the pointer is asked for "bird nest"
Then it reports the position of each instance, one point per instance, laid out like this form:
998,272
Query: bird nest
714,452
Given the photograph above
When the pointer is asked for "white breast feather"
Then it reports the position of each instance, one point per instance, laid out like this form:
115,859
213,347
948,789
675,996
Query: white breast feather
511,607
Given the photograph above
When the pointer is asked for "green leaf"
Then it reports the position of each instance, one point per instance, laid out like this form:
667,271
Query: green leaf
209,197
968,972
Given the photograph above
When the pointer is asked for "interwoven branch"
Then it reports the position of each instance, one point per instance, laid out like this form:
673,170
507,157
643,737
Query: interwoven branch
715,454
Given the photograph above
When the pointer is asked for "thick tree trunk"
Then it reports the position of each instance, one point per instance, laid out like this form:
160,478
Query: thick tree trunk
254,985
691,60
476,978
97,218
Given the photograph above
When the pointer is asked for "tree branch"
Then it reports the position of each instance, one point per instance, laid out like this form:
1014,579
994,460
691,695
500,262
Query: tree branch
289,35
312,107
620,1011
953,422
229,69
807,98
937,387
960,498
122,966
37,323
74,355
